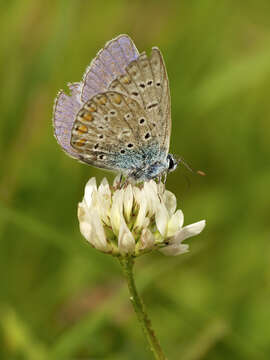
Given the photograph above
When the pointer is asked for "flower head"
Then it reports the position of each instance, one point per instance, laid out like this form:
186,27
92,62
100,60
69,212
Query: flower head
134,219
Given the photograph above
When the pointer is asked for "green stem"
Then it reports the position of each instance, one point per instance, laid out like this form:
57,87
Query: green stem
138,305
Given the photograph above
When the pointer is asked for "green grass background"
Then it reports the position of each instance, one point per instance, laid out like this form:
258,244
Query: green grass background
61,299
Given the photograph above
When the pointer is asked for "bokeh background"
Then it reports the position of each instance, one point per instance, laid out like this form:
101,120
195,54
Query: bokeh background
61,299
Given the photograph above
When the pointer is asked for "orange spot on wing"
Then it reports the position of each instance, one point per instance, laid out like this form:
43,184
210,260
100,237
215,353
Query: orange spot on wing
80,142
82,129
117,99
88,116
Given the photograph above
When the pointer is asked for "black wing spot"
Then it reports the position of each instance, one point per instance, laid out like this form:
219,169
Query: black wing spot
147,136
101,136
122,151
112,112
152,105
150,82
142,120
142,85
127,116
101,157
96,146
130,145
135,93
158,84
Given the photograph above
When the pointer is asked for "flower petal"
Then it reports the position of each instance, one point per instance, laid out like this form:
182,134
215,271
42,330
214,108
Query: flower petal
142,212
92,228
117,210
175,223
90,187
188,231
175,249
126,242
162,218
128,201
147,239
169,201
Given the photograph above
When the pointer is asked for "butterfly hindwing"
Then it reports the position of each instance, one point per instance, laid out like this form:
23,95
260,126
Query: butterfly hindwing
110,125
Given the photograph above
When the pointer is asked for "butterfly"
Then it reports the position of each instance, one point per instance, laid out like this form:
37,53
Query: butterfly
119,116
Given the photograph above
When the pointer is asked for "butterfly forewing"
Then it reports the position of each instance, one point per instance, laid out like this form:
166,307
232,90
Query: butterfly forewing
164,99
146,82
109,63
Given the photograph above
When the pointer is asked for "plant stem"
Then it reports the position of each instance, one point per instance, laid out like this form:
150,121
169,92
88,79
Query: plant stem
138,305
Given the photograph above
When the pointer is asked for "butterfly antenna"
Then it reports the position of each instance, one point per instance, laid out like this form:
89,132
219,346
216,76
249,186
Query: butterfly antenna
187,166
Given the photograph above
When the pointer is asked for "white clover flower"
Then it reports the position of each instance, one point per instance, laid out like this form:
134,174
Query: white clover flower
134,219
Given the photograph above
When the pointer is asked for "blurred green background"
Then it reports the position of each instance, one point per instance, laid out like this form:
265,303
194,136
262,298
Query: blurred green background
61,299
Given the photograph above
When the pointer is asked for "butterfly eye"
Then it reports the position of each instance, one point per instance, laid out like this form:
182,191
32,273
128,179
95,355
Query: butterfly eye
172,164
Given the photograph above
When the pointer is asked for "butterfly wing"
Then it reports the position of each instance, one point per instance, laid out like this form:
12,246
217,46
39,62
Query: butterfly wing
109,63
111,132
146,81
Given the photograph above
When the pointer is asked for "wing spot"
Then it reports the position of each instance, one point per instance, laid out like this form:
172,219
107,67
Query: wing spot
135,93
112,112
90,106
101,136
150,106
158,84
102,100
106,117
147,136
100,127
80,142
142,120
117,99
150,82
126,132
96,146
82,129
86,115
127,116
126,79
101,157
130,145
122,151
142,85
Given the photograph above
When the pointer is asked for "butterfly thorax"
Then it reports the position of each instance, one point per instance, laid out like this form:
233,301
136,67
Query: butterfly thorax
148,170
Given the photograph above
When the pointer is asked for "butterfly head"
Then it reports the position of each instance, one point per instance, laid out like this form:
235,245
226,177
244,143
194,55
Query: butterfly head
172,163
